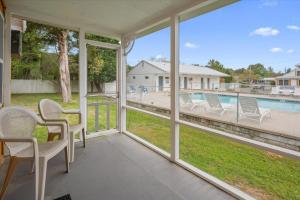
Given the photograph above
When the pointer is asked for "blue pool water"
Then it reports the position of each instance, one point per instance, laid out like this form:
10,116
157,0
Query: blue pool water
273,104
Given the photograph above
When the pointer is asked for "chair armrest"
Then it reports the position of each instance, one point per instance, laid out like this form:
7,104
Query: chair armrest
62,123
34,146
73,111
12,139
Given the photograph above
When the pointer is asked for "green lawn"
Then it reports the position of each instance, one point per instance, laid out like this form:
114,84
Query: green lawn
31,101
263,174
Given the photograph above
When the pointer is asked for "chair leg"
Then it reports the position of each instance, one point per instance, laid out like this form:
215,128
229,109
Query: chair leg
42,177
83,137
11,167
71,149
32,166
67,159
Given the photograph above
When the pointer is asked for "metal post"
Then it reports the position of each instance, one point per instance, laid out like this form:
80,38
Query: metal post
174,88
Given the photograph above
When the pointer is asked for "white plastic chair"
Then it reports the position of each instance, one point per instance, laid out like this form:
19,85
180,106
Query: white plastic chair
51,111
251,110
16,127
214,104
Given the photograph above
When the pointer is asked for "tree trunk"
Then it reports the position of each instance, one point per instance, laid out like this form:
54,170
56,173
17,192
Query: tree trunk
92,86
64,71
99,86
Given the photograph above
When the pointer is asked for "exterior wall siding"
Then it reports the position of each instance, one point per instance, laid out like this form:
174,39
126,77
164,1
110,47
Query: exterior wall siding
136,78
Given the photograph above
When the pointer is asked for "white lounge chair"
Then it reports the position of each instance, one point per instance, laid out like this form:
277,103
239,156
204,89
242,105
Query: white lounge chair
286,90
132,91
297,91
214,104
187,101
16,128
249,109
51,111
275,90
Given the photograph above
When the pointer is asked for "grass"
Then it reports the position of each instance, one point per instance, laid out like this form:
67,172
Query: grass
263,174
31,101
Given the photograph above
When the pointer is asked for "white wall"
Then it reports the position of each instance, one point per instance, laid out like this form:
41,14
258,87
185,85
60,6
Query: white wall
294,82
33,86
137,76
195,83
46,86
140,80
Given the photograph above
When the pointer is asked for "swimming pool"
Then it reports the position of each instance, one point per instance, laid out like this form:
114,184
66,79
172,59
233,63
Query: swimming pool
273,104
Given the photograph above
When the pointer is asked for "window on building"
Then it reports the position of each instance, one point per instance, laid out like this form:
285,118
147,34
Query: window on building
286,82
133,77
280,82
298,73
146,77
167,80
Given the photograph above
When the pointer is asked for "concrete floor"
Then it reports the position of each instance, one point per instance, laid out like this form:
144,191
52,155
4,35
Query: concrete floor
111,168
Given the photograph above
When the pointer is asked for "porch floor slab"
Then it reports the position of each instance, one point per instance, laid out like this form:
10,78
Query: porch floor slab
111,168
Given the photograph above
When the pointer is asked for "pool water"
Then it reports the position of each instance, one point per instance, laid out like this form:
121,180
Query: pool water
273,104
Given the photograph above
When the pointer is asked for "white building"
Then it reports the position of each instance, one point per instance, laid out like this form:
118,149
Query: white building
156,76
291,78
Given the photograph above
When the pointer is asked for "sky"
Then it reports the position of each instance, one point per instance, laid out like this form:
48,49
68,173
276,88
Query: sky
244,33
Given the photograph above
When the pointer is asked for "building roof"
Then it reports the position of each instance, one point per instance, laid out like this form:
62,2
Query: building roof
290,75
269,79
188,69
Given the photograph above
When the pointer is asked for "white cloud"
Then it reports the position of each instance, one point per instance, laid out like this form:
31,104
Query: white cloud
290,51
276,50
269,3
159,56
293,27
191,45
265,31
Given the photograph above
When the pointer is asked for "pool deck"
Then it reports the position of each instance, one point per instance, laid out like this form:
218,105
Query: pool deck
281,122
264,96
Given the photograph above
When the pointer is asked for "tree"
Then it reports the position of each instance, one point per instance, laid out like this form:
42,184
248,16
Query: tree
248,76
258,69
64,72
101,63
216,65
58,38
36,41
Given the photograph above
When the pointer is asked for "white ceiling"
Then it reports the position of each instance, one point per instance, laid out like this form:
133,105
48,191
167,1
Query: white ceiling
107,17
